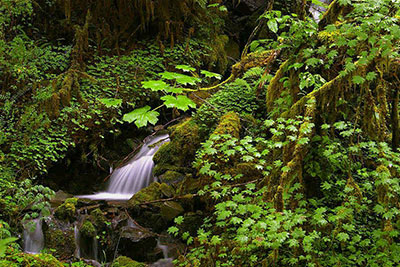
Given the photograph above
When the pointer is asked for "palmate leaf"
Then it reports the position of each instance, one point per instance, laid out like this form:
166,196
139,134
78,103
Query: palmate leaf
155,85
180,78
180,102
210,74
141,116
185,68
111,102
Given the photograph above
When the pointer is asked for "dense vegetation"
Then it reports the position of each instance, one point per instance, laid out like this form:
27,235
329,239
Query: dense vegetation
284,131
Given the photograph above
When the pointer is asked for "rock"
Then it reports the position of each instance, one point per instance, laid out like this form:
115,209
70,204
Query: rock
171,209
59,198
171,177
60,239
137,243
180,151
87,229
123,261
67,210
154,191
98,218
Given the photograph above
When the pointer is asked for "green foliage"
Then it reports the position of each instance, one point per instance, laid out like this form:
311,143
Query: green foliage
173,85
238,96
340,223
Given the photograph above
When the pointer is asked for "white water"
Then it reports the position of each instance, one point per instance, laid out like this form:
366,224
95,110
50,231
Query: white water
135,175
317,10
33,236
166,262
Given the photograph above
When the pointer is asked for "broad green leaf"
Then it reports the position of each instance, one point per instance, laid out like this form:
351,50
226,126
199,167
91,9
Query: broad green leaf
210,74
273,25
181,102
155,85
185,68
141,116
111,102
180,78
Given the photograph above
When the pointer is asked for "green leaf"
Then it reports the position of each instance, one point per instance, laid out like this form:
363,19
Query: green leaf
273,25
142,116
358,79
111,102
210,74
180,78
155,85
185,68
181,102
371,76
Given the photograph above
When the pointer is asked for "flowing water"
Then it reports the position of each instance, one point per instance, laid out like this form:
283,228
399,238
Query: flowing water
33,236
135,175
166,262
317,10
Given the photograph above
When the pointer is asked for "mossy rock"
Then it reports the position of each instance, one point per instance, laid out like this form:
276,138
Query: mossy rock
87,229
66,211
229,124
171,177
153,192
123,261
30,260
180,151
98,217
170,209
61,241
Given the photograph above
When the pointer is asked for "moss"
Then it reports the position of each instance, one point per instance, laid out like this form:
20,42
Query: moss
98,217
167,190
169,210
87,229
66,211
30,260
61,242
154,191
229,124
256,59
180,151
170,177
123,261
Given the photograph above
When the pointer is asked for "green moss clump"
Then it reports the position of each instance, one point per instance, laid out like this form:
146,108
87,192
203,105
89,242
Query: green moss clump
229,124
30,260
170,177
62,243
66,211
180,151
123,261
153,192
87,229
98,217
170,209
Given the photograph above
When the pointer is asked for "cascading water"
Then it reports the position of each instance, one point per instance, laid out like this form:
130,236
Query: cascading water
166,261
33,236
135,175
317,10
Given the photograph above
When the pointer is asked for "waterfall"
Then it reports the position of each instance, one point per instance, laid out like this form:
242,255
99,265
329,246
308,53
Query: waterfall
77,242
33,236
135,175
165,262
317,10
